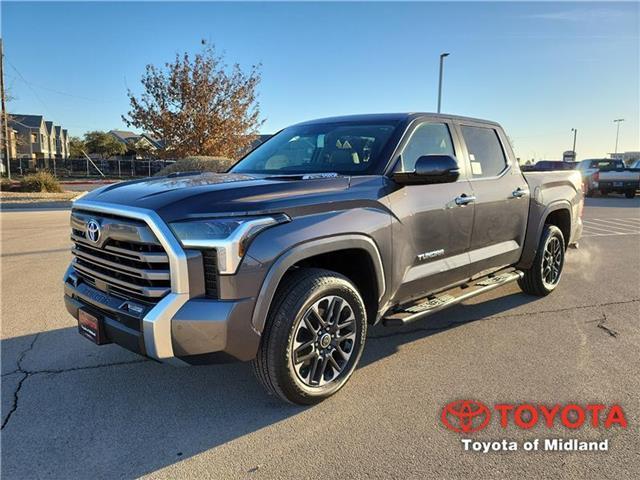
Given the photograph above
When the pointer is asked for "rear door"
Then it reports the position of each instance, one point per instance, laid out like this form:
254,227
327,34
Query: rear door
501,198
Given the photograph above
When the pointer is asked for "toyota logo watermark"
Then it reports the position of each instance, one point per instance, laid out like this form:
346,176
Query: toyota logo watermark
465,416
93,230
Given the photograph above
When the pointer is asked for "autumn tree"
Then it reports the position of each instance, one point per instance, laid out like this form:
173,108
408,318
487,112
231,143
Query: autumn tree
198,105
103,144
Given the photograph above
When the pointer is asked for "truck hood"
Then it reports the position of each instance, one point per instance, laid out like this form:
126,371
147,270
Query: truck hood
196,195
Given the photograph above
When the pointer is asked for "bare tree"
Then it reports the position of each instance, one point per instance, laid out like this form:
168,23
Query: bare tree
198,106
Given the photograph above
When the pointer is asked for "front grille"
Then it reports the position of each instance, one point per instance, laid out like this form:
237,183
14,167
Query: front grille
127,261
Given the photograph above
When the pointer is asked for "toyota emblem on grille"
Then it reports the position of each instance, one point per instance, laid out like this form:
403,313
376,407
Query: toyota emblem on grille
93,230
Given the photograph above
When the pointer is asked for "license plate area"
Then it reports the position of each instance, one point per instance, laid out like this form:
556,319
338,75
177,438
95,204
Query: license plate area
91,327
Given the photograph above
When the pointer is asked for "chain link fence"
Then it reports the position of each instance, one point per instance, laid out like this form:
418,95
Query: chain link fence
90,168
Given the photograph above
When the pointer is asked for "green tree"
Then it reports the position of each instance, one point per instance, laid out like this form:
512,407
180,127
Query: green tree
76,147
198,106
103,144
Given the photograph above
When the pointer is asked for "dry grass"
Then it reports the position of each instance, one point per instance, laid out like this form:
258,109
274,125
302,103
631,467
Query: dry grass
37,197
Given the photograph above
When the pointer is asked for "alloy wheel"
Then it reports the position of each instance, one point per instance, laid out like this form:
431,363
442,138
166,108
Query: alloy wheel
552,262
323,341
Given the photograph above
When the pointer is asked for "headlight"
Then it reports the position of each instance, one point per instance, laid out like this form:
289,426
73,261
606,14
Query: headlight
230,237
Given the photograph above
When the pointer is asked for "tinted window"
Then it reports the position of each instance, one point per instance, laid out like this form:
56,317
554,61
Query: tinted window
485,152
427,139
319,148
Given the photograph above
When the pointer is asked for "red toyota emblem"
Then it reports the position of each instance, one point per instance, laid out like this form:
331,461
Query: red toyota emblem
465,416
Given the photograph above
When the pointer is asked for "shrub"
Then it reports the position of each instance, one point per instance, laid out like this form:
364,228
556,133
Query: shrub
40,182
199,164
6,185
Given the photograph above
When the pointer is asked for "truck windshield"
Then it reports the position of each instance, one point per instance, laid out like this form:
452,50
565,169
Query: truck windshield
344,148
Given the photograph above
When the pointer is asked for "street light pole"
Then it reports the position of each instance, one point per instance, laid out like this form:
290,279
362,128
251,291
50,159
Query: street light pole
618,121
575,133
442,57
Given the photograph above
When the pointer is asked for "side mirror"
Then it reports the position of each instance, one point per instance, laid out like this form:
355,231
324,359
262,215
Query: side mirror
430,169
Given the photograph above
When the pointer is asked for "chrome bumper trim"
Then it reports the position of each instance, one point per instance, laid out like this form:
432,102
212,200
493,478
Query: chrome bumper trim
157,322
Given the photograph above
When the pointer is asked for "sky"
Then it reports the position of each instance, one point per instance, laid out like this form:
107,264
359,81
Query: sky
540,69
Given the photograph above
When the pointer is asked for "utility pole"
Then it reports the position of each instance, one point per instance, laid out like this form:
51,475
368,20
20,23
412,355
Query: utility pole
5,123
618,121
442,57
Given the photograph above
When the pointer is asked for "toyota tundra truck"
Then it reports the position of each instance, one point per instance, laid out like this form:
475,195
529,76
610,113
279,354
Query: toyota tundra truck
327,228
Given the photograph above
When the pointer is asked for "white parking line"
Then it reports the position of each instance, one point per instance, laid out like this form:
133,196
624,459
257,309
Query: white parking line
607,227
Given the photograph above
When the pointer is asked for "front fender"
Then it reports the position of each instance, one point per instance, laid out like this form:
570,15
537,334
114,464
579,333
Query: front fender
278,249
310,249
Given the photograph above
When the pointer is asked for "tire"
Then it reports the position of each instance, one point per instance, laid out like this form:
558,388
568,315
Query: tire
604,193
630,193
589,193
534,281
305,296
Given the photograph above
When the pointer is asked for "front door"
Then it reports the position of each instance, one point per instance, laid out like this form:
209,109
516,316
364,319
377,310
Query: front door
431,233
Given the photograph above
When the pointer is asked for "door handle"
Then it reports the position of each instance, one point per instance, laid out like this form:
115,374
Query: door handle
520,192
464,199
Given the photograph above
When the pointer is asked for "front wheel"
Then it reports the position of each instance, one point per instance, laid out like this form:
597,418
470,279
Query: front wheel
313,338
630,193
544,275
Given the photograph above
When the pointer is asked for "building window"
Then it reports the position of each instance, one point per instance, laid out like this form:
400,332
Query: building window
34,138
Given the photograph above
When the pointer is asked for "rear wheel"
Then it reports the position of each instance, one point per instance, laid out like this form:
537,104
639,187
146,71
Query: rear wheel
314,337
544,275
630,193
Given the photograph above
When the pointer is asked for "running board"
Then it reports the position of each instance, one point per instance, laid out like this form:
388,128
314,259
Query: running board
445,300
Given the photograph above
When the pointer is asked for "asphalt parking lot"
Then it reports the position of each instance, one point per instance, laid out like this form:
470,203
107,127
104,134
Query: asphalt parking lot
74,410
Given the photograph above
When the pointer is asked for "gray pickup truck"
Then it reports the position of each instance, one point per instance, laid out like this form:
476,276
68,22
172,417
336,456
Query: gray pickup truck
328,227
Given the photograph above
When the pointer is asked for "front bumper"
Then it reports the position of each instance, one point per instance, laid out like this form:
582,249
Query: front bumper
185,325
202,330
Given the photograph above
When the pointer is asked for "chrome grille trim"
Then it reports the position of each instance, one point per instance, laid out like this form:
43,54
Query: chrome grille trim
157,322
151,292
147,257
124,269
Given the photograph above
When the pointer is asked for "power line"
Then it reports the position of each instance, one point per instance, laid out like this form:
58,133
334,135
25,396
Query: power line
35,94
53,90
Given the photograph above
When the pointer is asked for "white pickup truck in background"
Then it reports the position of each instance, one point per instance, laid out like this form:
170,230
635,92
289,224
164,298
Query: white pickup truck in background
609,176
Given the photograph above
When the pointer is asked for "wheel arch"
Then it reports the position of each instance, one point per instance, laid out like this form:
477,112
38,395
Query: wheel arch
325,253
557,213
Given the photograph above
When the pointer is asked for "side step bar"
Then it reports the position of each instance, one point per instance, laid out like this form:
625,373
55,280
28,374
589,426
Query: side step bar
444,300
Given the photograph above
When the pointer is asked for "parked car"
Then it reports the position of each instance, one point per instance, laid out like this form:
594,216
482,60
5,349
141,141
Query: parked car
607,176
635,165
551,166
326,228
